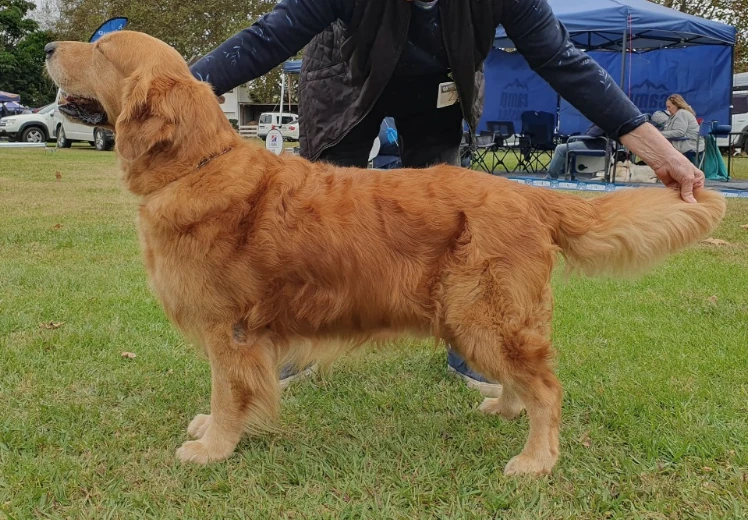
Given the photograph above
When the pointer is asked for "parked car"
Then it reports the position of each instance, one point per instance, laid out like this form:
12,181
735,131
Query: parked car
67,132
290,131
272,121
30,128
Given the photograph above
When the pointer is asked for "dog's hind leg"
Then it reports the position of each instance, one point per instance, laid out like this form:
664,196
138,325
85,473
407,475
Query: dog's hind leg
503,332
535,384
520,361
245,394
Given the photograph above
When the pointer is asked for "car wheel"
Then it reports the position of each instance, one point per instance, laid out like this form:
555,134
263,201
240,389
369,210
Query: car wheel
62,141
33,134
101,140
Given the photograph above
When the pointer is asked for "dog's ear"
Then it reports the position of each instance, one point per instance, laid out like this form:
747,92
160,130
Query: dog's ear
147,117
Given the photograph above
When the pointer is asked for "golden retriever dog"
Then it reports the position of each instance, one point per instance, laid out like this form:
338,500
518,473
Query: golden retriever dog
261,259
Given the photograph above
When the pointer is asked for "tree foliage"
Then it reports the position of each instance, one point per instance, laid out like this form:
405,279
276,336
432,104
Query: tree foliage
733,12
192,27
22,54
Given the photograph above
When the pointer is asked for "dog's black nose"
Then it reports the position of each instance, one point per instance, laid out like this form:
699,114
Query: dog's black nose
50,49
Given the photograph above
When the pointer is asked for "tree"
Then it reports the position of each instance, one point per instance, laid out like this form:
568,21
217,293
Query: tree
192,27
22,54
733,12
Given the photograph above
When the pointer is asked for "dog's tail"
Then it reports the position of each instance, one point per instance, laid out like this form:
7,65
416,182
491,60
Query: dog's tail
627,232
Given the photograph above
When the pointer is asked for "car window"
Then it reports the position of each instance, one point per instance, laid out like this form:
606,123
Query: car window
287,119
740,104
264,119
47,109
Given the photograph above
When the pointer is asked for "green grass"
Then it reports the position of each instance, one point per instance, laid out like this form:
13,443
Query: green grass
655,374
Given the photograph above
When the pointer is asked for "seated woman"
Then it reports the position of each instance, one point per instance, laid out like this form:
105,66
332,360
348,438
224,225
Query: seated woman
681,129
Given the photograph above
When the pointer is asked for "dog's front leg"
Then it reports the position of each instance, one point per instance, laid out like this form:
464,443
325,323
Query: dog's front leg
245,392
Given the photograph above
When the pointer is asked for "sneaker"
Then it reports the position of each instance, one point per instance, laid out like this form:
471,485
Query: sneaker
289,375
474,381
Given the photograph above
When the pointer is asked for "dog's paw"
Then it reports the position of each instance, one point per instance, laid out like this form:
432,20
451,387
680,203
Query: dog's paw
198,425
201,453
496,406
525,465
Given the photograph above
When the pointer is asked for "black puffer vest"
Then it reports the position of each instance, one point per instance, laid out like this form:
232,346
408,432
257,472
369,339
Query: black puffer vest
347,67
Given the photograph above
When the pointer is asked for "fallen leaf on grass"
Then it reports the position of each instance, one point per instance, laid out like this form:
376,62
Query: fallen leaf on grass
58,226
128,355
585,439
745,226
712,299
707,469
58,175
345,496
716,242
52,325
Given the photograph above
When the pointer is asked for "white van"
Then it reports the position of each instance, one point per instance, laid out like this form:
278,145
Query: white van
739,116
67,132
272,121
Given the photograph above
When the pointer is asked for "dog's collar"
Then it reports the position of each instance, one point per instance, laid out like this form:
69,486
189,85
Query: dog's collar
206,160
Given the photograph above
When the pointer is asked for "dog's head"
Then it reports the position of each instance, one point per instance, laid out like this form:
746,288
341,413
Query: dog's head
134,84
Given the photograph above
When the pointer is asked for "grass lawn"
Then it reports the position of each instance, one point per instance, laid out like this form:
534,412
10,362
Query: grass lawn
655,416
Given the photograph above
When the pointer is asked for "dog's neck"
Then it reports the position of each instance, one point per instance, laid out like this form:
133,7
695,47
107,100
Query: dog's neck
167,162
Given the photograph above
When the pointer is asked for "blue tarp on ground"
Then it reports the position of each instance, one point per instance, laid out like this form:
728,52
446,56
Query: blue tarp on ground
672,53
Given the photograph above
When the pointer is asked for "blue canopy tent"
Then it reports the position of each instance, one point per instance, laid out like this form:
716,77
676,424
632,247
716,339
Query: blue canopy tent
655,51
288,67
7,97
292,67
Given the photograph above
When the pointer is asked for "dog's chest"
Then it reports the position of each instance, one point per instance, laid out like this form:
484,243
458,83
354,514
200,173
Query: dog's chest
175,276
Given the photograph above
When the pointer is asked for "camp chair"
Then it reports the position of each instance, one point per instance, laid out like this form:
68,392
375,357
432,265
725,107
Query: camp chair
484,145
536,139
502,131
466,150
589,160
709,159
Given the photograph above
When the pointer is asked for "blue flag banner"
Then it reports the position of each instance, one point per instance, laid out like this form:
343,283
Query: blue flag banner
111,25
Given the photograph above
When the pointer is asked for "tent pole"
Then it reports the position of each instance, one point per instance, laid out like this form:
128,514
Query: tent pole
729,121
283,92
623,58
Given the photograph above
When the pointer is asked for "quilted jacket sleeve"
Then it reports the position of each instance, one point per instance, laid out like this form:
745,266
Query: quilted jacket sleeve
545,44
270,41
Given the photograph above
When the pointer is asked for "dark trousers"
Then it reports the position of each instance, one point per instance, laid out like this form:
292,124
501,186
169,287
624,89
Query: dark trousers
426,135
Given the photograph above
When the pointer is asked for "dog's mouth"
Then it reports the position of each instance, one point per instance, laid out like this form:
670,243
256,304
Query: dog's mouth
85,110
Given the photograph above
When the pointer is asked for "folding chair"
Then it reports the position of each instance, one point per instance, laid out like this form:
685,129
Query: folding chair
536,139
594,160
502,131
466,150
484,144
711,130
